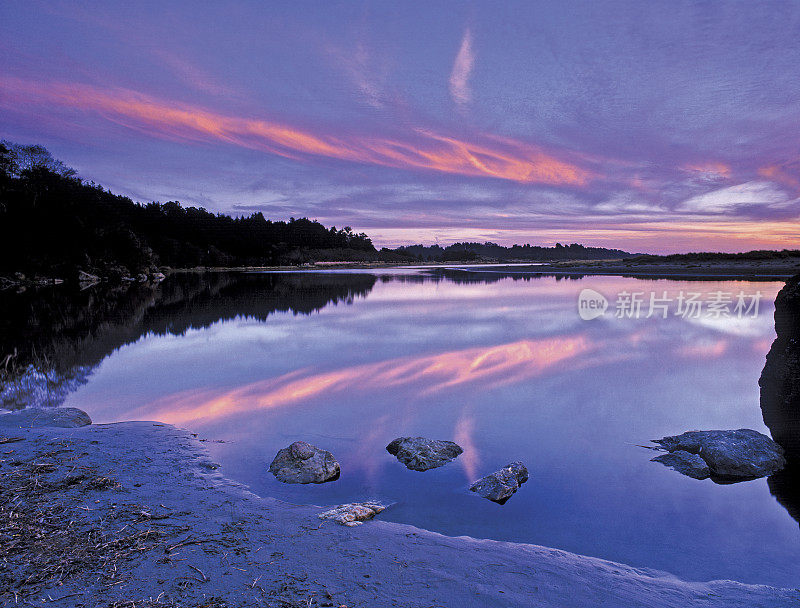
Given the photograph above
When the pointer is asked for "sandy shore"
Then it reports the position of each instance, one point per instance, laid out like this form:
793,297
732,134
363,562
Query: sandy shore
135,514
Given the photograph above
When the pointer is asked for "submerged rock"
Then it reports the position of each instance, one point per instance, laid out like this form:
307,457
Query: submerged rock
689,464
32,417
421,454
302,462
500,485
739,454
780,379
354,513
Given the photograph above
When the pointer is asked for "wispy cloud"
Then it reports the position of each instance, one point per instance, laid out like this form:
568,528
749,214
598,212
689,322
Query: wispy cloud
419,149
462,69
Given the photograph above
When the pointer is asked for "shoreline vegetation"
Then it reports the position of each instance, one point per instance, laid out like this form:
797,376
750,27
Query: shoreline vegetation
56,228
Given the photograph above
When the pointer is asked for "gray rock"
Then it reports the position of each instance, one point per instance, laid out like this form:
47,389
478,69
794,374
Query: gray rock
500,485
354,513
64,417
739,454
302,462
421,454
690,465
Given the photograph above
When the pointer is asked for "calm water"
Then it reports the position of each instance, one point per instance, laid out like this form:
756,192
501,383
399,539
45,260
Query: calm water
501,364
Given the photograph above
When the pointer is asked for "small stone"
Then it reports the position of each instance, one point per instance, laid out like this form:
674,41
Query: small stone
501,485
421,454
302,462
354,513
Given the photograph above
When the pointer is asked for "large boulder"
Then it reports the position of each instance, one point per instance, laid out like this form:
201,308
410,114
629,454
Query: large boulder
302,462
421,454
500,485
33,417
739,454
689,464
354,513
780,379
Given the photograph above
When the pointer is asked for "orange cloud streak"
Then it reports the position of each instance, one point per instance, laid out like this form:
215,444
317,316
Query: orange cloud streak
493,366
514,161
779,175
710,167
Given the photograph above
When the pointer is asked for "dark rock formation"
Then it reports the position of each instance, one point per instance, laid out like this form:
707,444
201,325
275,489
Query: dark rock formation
421,454
31,417
689,464
780,380
500,485
739,454
302,462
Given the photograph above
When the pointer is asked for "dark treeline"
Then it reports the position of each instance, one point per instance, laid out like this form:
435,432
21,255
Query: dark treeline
54,224
495,252
708,256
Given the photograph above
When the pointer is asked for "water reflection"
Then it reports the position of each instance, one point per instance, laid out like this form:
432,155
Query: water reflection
498,361
785,487
492,366
51,339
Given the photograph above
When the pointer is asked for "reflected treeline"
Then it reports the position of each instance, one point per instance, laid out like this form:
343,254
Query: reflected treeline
470,275
51,339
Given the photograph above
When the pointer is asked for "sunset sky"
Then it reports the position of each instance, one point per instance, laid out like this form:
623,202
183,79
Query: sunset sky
662,126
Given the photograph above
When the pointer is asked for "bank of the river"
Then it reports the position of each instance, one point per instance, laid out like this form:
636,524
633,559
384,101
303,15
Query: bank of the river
135,514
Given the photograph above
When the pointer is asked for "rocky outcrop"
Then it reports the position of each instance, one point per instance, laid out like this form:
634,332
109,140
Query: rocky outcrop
689,464
354,513
302,462
421,454
501,485
739,454
64,417
780,379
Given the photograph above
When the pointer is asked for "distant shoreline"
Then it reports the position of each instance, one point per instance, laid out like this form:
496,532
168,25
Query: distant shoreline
709,270
774,269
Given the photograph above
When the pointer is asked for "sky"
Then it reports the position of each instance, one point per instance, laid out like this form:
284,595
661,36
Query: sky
652,127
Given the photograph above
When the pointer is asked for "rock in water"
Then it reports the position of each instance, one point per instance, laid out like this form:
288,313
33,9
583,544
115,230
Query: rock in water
302,462
33,417
500,485
780,379
740,454
354,513
421,454
689,464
